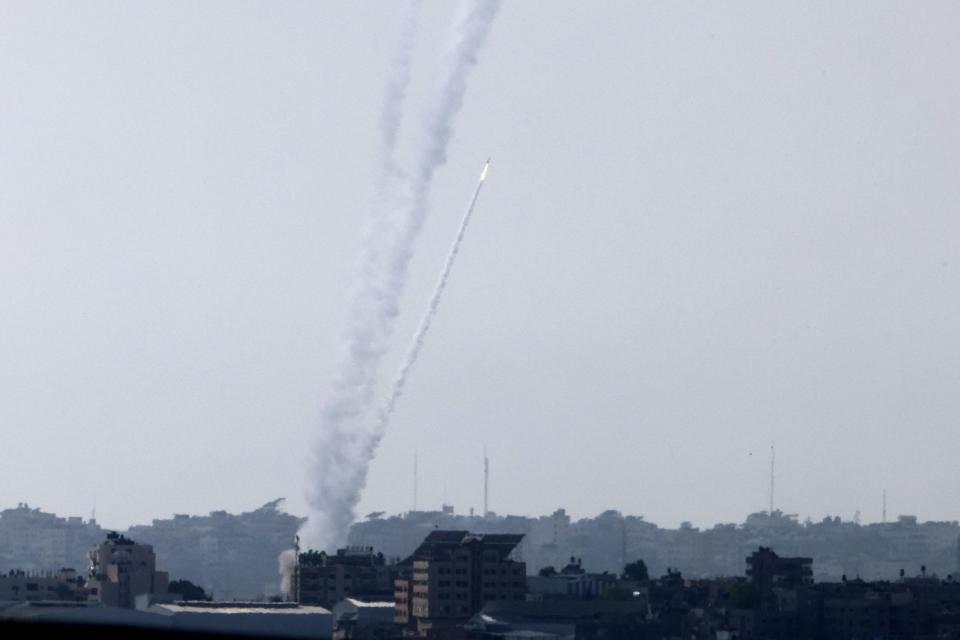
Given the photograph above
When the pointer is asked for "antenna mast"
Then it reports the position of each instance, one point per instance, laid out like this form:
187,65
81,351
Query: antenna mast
486,481
415,479
773,459
884,506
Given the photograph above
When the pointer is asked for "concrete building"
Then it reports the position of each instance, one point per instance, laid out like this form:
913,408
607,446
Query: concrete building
451,576
564,620
572,582
354,572
121,570
282,619
767,570
22,586
226,619
360,620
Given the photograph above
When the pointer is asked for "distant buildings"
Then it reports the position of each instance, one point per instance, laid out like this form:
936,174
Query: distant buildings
608,541
452,575
32,540
230,555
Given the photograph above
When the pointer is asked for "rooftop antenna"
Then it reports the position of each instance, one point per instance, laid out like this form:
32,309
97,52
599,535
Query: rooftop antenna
773,459
415,479
884,506
295,596
486,482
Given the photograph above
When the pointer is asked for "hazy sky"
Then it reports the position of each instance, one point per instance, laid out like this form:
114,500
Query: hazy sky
707,226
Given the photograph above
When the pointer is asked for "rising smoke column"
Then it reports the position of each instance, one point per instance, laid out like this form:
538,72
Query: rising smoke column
413,353
343,448
395,88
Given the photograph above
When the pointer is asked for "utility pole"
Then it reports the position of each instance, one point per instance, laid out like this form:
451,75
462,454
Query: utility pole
884,506
773,459
486,482
415,479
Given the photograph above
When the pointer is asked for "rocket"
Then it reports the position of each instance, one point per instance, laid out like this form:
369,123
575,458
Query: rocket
483,174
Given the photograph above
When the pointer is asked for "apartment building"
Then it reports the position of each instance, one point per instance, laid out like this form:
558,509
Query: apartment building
121,570
450,577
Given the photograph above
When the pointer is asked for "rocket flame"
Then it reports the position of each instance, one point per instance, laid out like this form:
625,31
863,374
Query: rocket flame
483,174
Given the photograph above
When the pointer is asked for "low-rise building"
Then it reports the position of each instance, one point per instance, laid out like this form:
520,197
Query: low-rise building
572,582
281,619
22,586
564,620
225,619
354,572
361,620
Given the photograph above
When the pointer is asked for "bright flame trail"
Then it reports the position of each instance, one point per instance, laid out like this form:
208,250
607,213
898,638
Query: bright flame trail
417,345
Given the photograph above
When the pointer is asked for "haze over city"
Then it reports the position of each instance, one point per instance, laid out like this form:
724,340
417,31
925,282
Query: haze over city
705,229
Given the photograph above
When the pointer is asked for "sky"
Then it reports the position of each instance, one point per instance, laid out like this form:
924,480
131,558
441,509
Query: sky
707,227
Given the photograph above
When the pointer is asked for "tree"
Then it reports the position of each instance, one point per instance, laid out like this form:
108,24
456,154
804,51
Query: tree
546,572
617,593
636,570
188,590
744,595
64,592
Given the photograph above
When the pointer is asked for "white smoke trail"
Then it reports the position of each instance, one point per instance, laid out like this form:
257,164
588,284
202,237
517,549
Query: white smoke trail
413,353
395,92
342,450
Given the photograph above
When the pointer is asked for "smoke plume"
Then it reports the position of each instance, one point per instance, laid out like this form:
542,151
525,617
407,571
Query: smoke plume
343,447
287,561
